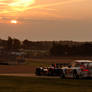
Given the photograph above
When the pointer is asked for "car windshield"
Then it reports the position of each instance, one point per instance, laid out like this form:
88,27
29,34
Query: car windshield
78,64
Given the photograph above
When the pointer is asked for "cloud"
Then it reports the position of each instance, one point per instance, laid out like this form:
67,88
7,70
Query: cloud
31,8
55,4
14,6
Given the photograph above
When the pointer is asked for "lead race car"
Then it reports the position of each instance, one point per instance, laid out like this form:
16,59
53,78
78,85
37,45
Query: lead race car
78,69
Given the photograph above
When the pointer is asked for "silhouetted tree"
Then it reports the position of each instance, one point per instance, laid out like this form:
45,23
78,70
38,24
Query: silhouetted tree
9,43
16,44
26,44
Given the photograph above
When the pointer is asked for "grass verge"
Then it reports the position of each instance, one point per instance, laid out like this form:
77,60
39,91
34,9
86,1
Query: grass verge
28,84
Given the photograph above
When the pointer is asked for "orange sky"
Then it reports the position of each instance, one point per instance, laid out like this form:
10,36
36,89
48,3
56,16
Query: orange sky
57,19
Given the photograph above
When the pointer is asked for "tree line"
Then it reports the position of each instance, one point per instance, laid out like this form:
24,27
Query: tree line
16,44
55,48
81,49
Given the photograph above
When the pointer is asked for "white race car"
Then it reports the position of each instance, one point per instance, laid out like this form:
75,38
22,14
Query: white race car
78,69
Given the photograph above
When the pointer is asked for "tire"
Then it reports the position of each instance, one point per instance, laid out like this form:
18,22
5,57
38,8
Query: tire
50,72
75,74
62,75
38,72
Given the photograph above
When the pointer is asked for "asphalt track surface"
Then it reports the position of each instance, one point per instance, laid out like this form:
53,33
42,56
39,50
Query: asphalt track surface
35,76
29,75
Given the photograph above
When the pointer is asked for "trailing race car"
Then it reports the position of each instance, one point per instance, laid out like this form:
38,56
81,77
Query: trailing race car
52,70
78,69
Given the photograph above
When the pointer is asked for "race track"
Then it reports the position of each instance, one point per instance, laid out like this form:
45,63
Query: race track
29,75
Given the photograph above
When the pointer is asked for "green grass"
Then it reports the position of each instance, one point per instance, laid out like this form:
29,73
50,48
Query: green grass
27,84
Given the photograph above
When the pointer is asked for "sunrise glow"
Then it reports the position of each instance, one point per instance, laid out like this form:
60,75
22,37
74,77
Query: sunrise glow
22,3
13,21
66,19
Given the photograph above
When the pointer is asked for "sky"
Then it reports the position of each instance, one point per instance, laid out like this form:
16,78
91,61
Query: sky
44,20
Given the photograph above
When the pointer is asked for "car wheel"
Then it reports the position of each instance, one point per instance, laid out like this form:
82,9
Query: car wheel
62,75
75,74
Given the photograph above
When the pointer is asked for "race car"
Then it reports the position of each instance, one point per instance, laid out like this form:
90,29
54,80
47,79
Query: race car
52,70
78,69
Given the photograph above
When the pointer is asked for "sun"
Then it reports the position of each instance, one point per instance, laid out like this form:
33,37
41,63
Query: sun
13,21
